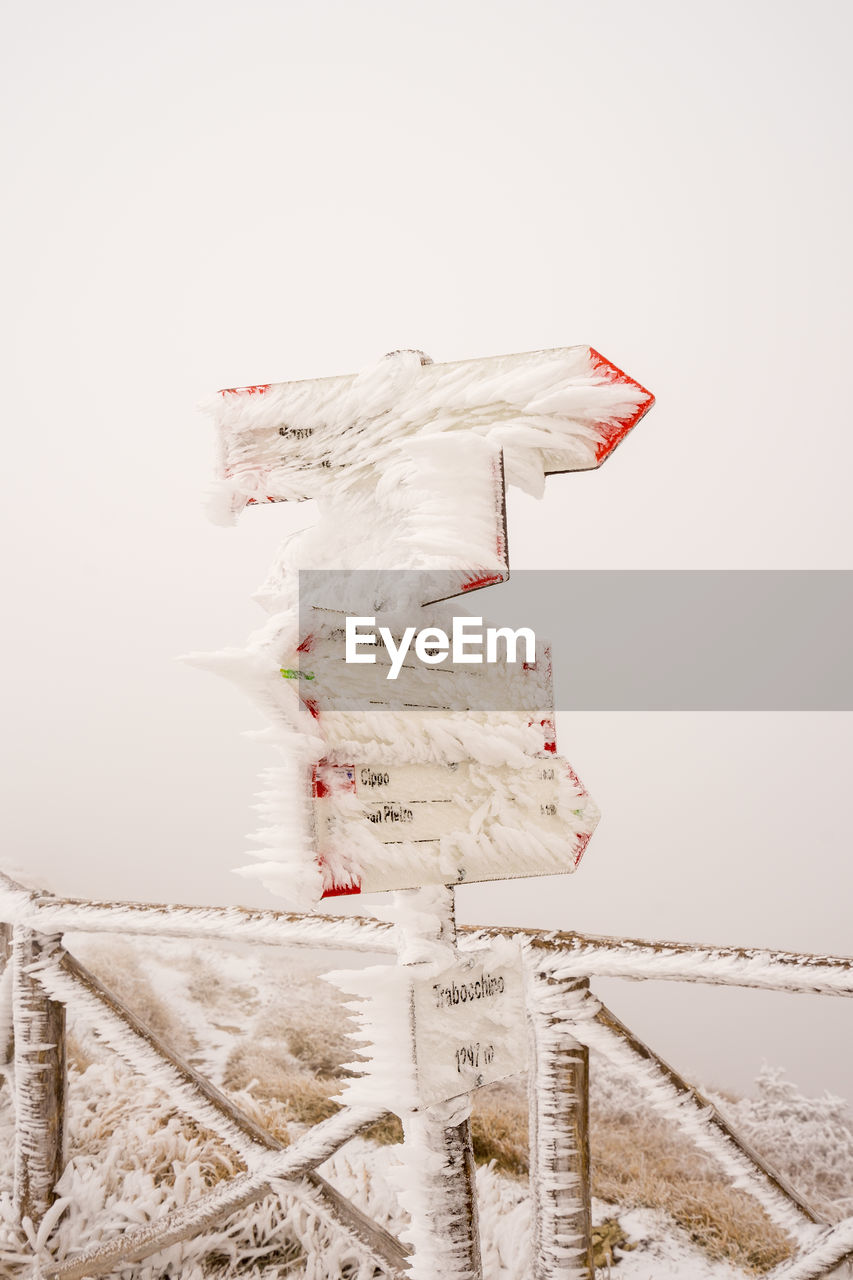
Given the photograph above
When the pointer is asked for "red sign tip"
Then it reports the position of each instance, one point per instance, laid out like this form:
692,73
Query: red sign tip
615,432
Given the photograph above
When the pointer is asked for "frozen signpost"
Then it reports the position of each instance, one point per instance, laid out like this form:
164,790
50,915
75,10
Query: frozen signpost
451,775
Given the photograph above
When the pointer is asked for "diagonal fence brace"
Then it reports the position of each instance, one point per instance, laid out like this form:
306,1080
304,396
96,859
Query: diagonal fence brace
697,1117
227,1197
831,1249
68,982
197,1097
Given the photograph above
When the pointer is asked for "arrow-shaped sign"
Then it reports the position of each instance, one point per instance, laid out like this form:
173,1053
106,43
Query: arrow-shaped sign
548,411
408,459
419,824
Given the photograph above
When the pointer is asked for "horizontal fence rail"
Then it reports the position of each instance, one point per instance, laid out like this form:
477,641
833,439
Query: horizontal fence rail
579,955
565,1021
576,954
49,914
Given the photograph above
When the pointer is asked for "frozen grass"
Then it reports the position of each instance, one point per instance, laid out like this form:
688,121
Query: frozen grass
499,1127
122,968
637,1161
640,1163
131,1158
274,1036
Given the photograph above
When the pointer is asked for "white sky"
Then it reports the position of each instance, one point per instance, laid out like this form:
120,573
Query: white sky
204,195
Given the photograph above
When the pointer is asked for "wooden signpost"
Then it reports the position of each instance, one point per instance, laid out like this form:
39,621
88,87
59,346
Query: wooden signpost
408,461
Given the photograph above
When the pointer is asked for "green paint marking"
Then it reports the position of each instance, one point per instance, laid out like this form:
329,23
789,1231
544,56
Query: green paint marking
296,675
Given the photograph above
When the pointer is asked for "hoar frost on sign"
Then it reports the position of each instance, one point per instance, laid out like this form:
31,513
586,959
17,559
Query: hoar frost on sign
471,794
561,410
448,823
436,505
433,656
407,462
430,1031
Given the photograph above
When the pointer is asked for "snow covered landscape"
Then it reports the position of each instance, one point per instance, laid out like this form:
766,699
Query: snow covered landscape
261,1024
385,1041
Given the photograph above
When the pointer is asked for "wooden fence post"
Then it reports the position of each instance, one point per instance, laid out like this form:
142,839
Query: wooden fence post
559,1133
6,1038
39,1055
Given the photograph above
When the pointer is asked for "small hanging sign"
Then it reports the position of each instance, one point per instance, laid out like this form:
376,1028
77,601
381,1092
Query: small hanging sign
437,1030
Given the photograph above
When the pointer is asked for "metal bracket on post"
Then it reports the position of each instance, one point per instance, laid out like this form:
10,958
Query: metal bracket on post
559,1132
39,1057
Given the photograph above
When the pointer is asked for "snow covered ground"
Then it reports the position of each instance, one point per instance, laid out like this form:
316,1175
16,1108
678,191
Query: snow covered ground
261,1026
661,1251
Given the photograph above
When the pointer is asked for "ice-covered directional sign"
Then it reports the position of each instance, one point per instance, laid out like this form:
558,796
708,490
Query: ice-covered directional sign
430,509
382,827
469,1026
384,670
409,459
408,462
439,1030
547,411
383,821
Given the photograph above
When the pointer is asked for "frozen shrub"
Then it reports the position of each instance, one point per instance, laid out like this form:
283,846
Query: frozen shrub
809,1140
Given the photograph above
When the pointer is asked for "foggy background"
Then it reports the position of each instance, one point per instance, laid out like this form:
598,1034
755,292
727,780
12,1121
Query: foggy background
208,195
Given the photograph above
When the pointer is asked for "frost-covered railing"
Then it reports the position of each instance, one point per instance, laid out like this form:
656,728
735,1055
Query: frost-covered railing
565,1021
